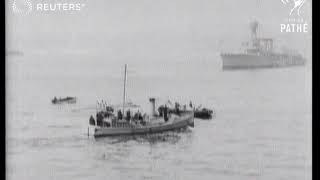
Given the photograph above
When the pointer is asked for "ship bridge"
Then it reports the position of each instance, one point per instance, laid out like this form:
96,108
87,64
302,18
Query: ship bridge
261,45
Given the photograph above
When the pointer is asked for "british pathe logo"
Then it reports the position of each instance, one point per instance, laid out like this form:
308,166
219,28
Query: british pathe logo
22,6
295,22
295,5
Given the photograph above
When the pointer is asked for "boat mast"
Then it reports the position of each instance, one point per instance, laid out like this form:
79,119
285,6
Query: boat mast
124,88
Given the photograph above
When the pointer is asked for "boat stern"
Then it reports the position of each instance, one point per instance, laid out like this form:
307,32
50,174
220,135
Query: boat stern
91,130
191,119
191,123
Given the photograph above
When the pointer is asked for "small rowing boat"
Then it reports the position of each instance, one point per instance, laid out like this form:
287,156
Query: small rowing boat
69,100
203,113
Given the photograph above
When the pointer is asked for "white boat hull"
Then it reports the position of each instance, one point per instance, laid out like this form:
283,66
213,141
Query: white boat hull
175,122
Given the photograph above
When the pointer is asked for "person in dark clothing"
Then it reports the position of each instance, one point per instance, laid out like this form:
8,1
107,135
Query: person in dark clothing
140,116
128,115
177,107
109,109
135,116
92,121
165,113
99,119
119,114
160,110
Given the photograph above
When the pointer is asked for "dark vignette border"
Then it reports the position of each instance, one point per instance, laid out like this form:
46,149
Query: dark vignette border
315,90
3,90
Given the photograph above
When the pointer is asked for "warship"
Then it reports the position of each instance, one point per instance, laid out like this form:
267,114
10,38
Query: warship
260,53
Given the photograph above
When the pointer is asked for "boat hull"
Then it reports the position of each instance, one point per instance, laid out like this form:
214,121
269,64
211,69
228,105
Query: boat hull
182,121
65,101
202,115
251,61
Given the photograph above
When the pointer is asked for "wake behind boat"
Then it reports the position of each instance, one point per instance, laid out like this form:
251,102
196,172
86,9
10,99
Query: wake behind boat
106,123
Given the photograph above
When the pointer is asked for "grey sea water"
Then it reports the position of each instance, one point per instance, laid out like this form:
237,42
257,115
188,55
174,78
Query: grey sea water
262,127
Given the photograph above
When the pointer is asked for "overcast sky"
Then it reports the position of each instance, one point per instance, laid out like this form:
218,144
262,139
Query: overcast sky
144,26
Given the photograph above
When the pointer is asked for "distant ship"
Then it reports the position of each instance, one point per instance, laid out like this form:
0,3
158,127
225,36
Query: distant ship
259,53
69,100
14,53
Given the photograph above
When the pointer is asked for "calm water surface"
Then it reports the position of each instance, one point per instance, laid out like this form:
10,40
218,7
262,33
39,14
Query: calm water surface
262,127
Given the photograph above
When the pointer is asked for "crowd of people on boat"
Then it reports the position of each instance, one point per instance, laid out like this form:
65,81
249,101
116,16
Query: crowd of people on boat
106,111
176,110
199,112
137,115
